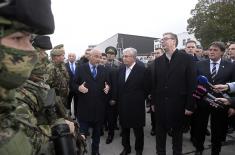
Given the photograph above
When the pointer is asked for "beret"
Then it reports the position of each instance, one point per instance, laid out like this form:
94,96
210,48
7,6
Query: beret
36,14
42,42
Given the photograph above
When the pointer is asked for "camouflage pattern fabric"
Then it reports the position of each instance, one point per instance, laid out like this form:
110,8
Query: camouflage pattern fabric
58,78
15,66
12,132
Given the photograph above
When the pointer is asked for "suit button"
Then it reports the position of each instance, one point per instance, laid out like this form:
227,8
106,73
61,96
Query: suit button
166,87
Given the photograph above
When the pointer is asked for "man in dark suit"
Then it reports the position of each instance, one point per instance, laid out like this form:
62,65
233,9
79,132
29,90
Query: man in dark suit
92,82
174,78
133,89
217,71
71,67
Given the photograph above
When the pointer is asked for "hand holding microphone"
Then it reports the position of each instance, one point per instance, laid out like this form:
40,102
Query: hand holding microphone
202,80
201,93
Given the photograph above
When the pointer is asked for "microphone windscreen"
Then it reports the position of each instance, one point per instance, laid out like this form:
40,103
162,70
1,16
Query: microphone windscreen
202,80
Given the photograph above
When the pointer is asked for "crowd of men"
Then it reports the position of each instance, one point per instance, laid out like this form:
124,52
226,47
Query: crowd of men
36,93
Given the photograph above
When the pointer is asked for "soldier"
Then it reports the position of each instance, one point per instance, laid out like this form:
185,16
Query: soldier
112,66
47,110
18,20
58,76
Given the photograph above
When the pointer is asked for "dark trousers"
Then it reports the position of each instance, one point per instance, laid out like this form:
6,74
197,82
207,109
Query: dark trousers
111,118
219,124
153,122
72,95
96,126
177,140
139,138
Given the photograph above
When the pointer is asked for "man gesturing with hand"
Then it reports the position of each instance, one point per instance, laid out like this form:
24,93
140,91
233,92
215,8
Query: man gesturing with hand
92,83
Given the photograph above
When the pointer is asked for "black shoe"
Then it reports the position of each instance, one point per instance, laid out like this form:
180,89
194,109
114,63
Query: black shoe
101,132
116,127
88,134
125,152
121,134
170,133
97,153
230,130
109,139
152,133
138,152
208,132
198,153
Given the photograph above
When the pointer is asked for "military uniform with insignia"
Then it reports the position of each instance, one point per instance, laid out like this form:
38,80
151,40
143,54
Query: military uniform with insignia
111,108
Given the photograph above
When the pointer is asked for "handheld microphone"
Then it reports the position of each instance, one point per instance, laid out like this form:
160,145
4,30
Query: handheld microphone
204,81
201,93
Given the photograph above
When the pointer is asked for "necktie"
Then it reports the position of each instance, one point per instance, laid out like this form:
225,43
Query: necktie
93,72
213,71
72,69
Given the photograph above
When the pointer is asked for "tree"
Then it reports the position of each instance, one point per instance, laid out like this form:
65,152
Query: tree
213,21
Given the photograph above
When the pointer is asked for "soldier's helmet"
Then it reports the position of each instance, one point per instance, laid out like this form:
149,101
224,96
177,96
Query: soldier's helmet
111,50
33,16
58,50
43,42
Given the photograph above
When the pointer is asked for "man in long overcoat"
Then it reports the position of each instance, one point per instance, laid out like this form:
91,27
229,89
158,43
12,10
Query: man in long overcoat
132,91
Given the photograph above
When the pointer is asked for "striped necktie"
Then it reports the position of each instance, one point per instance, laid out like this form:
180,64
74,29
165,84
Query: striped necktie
213,71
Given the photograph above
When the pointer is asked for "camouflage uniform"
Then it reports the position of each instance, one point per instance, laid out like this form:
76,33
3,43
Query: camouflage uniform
17,119
47,110
58,77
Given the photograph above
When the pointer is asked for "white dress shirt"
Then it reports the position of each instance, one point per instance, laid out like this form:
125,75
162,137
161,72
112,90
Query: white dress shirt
128,71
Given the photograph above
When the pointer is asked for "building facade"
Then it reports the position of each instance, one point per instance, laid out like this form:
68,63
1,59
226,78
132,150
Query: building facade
143,44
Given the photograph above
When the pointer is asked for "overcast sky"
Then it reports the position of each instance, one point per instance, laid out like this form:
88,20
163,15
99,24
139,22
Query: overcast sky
90,22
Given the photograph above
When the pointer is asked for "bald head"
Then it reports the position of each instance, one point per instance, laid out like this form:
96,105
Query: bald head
95,57
71,57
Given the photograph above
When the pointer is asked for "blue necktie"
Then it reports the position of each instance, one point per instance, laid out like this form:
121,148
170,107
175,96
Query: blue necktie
72,69
213,71
93,72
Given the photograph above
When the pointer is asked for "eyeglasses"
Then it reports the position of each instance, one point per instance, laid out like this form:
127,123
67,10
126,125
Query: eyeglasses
165,39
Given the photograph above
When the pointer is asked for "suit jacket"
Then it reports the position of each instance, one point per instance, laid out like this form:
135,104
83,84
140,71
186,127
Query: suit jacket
219,117
71,77
91,105
132,95
225,74
173,85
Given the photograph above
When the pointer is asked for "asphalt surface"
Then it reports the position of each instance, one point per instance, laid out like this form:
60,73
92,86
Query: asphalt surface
149,144
115,147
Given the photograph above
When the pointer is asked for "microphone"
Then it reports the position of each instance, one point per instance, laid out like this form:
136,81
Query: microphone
201,93
204,81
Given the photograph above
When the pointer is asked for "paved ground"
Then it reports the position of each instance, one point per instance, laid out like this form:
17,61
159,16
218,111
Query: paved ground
149,147
149,144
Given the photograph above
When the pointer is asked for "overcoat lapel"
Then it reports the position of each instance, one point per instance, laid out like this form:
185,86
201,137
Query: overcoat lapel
132,74
88,71
173,63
